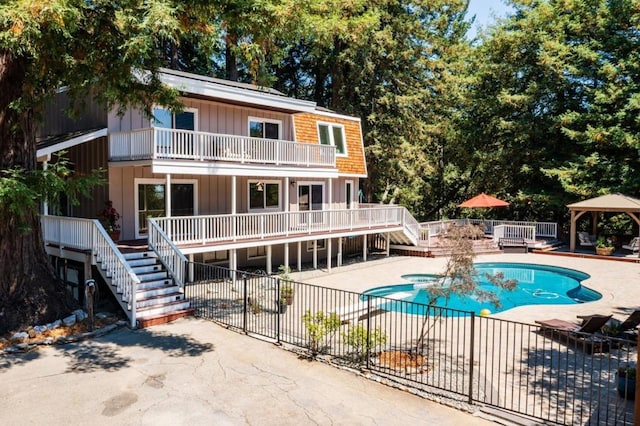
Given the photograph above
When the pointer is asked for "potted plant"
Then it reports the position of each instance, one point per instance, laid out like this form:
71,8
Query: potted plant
604,247
283,303
109,217
626,381
286,289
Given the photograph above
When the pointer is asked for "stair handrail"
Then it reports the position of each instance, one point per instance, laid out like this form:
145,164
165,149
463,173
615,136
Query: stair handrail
89,234
411,226
168,253
122,275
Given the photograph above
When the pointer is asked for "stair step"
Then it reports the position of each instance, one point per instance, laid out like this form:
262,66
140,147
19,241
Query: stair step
152,276
139,255
164,309
150,284
146,293
139,270
145,261
163,319
160,300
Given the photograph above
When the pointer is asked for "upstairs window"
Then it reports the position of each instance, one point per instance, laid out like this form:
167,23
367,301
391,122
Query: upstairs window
264,128
165,119
264,195
333,134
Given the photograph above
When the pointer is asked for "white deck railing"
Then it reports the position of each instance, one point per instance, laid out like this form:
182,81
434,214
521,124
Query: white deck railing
89,235
542,229
157,143
257,226
528,233
171,257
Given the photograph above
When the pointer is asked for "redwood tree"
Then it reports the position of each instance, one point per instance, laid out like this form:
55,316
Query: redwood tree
110,45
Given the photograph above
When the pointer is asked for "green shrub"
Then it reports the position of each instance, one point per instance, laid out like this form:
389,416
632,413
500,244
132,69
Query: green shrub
319,326
356,338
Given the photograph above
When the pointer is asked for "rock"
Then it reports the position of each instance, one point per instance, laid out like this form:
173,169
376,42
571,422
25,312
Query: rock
20,337
39,329
103,315
80,314
54,325
32,333
69,321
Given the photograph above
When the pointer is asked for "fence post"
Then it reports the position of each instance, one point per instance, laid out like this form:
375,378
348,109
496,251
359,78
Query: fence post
471,359
278,307
368,330
636,402
245,303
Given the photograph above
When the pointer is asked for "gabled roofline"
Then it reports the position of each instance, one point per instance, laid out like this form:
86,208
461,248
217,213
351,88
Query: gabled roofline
233,92
61,142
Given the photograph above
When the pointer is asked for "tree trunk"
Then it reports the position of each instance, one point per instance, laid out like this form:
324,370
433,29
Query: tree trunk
29,291
231,62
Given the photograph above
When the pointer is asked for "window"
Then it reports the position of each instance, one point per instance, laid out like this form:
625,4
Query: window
333,134
264,195
165,119
264,128
221,256
256,252
321,244
151,200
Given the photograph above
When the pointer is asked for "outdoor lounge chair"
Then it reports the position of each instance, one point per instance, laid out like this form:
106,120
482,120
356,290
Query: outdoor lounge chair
582,336
586,240
634,245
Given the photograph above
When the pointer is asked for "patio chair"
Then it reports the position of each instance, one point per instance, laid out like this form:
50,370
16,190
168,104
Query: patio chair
624,330
586,240
634,245
581,336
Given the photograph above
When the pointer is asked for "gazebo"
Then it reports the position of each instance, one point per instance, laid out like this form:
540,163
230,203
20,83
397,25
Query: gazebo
611,203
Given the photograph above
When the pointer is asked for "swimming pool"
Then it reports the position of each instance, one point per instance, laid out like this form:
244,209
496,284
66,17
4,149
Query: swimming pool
536,285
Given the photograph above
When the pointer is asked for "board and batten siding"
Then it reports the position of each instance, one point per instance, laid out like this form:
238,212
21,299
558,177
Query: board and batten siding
306,130
56,121
213,193
213,117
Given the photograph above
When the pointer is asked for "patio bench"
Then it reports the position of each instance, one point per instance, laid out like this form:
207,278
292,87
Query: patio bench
513,245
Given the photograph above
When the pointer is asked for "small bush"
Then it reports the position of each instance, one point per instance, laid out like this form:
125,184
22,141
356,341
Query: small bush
319,326
356,338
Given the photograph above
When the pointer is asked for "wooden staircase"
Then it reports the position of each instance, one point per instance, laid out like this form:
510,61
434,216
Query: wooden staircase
158,298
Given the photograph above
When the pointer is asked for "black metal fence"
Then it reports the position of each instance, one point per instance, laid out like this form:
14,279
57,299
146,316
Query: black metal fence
564,378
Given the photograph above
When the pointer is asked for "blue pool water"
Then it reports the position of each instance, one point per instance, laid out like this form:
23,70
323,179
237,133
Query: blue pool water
536,285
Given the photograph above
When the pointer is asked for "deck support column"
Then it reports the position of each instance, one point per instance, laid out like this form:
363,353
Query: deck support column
286,256
167,195
299,256
190,277
233,260
388,244
45,205
364,248
287,207
269,268
339,254
329,255
572,235
234,195
315,254
167,203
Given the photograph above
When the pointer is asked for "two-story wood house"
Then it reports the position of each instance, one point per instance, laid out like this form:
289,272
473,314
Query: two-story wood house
244,176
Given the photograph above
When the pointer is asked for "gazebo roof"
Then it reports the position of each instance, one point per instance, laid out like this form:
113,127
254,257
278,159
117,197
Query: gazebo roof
608,203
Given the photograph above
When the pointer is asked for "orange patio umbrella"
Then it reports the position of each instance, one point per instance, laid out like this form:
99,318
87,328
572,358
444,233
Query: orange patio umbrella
483,200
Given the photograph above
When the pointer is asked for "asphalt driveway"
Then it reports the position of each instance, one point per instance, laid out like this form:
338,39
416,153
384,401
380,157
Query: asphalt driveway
193,372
